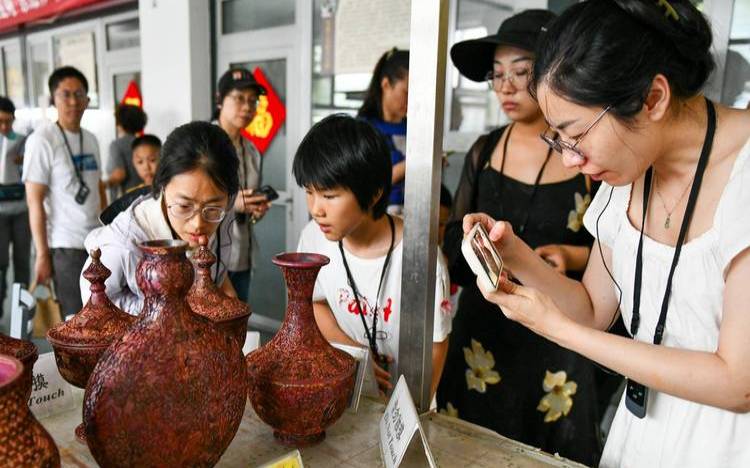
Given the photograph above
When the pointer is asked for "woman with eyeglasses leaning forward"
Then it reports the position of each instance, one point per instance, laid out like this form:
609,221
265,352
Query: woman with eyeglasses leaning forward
499,374
194,187
672,227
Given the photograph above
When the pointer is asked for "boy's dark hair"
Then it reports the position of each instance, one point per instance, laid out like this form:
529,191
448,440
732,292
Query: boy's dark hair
62,73
199,145
607,52
341,151
132,119
147,139
446,199
6,105
394,65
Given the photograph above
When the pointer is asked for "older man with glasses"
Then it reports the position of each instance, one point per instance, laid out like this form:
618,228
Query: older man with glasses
62,173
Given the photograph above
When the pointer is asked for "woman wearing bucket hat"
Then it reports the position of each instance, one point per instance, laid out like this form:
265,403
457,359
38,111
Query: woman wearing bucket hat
236,100
499,374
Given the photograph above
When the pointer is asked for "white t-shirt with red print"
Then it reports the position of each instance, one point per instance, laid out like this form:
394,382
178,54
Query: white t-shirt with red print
332,286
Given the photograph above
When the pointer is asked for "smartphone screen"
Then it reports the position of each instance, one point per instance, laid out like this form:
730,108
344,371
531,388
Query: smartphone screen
488,257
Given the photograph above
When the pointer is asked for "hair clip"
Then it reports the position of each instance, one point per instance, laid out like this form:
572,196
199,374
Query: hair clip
668,9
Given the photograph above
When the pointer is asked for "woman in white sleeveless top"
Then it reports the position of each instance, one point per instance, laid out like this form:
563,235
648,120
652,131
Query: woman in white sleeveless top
619,82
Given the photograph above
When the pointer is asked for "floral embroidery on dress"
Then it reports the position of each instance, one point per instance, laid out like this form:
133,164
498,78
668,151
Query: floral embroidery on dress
449,410
575,217
481,364
557,402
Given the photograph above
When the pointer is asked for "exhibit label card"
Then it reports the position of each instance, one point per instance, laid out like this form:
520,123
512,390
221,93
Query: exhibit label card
50,393
290,460
398,425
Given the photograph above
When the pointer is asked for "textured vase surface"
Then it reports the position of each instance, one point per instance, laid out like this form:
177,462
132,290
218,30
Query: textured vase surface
299,383
80,342
171,391
24,351
206,299
23,441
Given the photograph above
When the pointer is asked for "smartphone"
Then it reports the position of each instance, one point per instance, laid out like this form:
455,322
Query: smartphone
482,257
269,192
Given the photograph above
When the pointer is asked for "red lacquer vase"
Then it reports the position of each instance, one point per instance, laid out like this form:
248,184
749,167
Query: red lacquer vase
300,384
172,390
23,441
24,351
80,342
206,299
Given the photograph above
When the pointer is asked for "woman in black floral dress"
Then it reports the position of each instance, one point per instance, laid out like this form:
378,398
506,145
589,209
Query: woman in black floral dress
499,374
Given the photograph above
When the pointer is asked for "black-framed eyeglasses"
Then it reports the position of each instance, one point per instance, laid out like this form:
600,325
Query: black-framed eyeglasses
554,141
518,78
185,211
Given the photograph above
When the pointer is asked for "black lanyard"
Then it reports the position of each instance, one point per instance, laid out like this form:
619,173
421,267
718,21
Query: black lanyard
371,337
534,189
70,151
637,394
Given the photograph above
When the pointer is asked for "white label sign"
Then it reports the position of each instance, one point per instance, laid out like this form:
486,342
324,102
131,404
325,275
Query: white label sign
252,342
50,393
398,425
362,355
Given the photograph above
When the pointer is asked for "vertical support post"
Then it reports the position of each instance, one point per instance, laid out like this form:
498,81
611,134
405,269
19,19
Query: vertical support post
428,42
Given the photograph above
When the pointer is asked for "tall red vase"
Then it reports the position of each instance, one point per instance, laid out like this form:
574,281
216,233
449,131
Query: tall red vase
23,441
24,351
300,384
172,390
80,342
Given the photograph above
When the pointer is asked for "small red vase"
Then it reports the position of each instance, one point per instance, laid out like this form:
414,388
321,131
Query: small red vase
24,351
23,441
80,342
206,299
300,384
172,390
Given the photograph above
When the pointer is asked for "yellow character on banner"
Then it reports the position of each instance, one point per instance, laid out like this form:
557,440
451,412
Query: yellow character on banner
132,101
262,123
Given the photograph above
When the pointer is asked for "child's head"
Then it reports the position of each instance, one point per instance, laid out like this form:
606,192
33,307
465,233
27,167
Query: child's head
446,204
345,167
131,119
146,150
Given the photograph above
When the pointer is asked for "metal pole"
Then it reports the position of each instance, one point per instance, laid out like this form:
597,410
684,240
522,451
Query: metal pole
428,41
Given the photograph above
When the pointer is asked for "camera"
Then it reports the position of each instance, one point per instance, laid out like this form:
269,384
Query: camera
82,194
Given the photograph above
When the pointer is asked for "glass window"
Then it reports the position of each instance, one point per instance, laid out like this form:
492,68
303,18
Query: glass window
123,34
79,50
13,74
267,286
121,82
736,90
40,71
274,159
248,15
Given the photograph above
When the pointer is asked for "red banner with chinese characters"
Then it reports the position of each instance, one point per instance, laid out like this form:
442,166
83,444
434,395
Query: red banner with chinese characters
15,12
132,95
269,115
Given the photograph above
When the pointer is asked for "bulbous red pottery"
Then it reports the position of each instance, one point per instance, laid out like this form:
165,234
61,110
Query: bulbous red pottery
205,298
300,384
24,351
23,441
80,342
172,390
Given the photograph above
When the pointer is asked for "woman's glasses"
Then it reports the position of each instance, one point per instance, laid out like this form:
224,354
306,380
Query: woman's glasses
185,211
554,141
518,78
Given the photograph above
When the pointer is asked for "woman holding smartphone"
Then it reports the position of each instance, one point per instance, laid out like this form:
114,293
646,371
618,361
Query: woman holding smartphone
237,98
498,374
672,228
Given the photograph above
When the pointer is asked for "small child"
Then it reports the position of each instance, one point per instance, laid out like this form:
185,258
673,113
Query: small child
146,151
344,166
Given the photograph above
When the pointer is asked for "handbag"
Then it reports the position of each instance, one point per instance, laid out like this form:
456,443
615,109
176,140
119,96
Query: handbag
48,312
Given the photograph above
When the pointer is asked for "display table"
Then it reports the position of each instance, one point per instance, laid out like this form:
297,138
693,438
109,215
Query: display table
352,442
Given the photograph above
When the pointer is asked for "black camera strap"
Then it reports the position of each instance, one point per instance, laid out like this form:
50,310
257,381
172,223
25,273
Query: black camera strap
636,388
371,337
70,151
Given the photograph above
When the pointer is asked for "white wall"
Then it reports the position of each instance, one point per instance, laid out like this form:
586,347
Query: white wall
175,62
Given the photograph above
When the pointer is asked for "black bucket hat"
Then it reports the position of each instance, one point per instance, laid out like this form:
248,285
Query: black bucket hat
473,58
